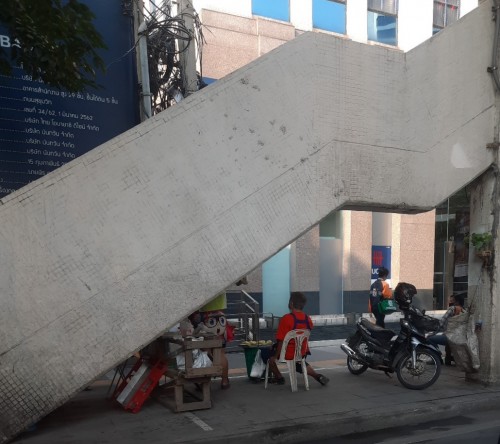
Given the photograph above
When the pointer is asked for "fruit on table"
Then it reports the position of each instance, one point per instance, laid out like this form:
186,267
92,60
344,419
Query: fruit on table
256,343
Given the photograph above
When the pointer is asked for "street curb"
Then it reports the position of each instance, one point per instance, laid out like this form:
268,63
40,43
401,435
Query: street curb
361,421
326,343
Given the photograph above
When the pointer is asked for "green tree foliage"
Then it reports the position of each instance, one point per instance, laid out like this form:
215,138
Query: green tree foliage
57,42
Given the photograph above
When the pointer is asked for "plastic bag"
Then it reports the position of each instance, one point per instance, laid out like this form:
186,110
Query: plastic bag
200,360
463,342
258,366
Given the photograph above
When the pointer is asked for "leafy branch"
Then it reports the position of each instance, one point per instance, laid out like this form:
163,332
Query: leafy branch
54,42
479,241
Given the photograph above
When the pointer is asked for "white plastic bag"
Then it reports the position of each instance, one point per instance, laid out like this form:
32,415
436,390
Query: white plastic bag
200,360
463,342
258,366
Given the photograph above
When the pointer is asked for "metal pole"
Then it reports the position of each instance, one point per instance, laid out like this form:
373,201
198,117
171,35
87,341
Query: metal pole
143,63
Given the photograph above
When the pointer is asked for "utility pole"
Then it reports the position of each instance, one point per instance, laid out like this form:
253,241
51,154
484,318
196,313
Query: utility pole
188,49
142,60
144,67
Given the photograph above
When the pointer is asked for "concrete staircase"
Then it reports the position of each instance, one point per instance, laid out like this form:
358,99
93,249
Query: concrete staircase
104,254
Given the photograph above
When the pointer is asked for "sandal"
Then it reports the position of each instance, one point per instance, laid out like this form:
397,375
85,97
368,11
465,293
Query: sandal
323,380
277,381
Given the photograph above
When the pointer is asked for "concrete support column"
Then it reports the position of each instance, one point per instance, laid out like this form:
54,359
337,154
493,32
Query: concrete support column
483,291
301,14
381,228
276,283
382,237
330,272
414,23
356,16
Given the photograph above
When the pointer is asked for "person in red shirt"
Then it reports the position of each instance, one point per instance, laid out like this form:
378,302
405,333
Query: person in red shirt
294,320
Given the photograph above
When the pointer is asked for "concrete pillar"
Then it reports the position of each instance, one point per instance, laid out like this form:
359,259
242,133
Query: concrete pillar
301,14
356,16
414,23
381,228
330,276
382,237
330,272
483,291
276,283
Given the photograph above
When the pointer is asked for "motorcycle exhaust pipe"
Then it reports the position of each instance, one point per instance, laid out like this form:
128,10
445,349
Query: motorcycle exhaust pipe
351,353
348,350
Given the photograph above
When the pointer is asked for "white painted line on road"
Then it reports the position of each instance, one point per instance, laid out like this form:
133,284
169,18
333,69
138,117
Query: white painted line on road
199,422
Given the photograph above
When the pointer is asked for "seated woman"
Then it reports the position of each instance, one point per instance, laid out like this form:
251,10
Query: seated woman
456,307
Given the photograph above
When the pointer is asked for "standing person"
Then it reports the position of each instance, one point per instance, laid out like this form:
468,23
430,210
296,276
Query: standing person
456,306
294,320
379,290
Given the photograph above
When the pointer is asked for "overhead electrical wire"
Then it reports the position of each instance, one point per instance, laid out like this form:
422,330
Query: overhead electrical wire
167,38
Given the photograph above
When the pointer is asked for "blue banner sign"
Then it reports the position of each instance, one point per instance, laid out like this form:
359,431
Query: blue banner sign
381,257
42,128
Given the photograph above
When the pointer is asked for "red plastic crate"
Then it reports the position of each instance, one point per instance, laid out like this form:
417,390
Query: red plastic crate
143,387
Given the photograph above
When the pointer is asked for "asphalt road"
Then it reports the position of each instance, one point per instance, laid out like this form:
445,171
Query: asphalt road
482,427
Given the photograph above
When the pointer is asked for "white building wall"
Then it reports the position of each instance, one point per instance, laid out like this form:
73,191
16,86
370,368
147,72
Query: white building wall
356,20
301,14
414,22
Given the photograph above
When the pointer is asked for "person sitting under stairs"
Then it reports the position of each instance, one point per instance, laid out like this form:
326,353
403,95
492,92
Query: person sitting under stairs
296,319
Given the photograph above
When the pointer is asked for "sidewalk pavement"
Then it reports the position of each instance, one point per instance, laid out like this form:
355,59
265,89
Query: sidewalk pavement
247,413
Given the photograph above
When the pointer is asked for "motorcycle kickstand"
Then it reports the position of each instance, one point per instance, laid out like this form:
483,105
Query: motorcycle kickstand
388,375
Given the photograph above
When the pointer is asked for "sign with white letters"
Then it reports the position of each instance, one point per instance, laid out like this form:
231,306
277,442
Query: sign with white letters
42,128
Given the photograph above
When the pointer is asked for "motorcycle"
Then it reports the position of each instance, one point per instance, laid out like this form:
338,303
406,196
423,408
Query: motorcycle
415,360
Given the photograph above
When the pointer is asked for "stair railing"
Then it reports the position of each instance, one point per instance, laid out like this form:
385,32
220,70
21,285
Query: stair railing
245,310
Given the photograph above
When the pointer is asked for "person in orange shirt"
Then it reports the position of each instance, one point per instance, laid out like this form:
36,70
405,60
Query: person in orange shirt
379,290
294,320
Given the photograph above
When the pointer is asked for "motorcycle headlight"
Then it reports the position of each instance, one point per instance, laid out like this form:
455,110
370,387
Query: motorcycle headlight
405,323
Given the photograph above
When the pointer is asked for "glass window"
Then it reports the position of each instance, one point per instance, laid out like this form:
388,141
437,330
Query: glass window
383,21
451,251
275,9
445,13
329,15
385,6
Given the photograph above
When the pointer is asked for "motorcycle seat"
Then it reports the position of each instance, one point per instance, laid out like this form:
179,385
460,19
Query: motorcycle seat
381,333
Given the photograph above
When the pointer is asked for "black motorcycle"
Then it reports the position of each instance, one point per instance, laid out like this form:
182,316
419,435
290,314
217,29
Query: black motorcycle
416,361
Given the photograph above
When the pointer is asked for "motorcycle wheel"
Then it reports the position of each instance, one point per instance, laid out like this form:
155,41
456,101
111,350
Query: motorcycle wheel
356,367
425,373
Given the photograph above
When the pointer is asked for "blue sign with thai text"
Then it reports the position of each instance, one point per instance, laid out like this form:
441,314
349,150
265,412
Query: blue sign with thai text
42,128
